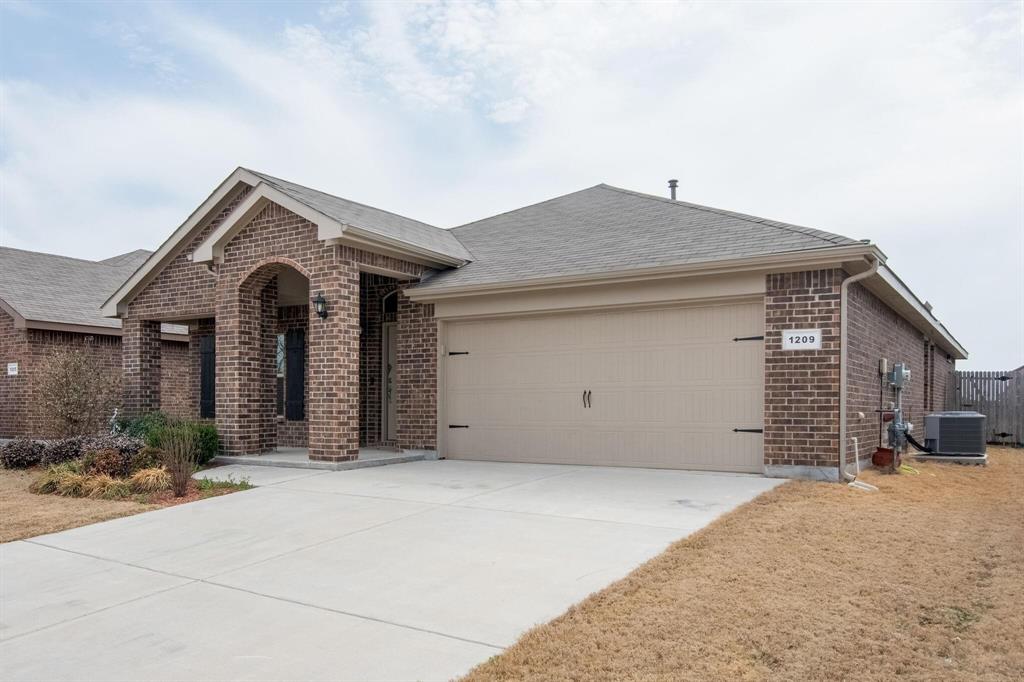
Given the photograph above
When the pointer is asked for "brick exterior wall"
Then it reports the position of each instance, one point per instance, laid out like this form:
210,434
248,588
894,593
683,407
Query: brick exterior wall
801,396
802,388
876,331
14,390
21,407
235,292
417,375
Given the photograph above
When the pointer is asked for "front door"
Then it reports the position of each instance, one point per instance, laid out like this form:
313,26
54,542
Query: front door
389,428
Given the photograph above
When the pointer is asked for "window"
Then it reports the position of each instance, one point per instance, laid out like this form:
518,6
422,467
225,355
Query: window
295,374
207,377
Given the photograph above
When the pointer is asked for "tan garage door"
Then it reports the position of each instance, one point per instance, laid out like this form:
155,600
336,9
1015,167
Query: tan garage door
648,388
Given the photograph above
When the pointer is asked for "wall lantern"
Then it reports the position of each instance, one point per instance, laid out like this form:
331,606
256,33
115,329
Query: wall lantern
320,305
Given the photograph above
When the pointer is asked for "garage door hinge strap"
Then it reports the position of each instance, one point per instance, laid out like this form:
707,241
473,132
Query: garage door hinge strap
458,352
748,338
458,426
748,430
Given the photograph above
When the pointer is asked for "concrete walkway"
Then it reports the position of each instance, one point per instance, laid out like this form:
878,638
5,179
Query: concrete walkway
413,571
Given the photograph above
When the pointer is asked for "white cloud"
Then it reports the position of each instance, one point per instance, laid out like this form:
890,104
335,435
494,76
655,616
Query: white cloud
898,122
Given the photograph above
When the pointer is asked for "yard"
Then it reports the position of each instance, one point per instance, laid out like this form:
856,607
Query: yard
923,580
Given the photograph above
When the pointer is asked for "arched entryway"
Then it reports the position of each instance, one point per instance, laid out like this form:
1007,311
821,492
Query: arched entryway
265,332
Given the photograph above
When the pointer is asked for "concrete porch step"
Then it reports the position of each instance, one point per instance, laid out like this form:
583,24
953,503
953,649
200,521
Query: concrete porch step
298,458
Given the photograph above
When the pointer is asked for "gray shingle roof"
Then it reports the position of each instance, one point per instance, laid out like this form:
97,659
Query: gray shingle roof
44,287
372,219
606,229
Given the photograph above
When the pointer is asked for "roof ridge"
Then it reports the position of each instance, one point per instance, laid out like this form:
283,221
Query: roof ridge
789,227
58,255
275,179
513,210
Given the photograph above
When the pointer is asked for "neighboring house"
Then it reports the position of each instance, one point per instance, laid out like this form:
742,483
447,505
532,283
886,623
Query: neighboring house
50,302
602,327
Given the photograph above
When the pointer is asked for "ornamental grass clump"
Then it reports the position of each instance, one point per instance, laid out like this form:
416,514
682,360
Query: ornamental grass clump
152,480
50,480
180,446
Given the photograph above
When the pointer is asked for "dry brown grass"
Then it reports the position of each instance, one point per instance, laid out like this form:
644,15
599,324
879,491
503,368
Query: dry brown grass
23,514
923,580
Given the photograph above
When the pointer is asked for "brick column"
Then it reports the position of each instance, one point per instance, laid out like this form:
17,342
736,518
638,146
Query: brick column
801,388
239,367
333,355
267,378
417,375
140,362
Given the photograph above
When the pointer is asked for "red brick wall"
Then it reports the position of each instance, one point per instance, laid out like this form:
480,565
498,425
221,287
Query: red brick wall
183,290
876,331
274,239
802,387
14,390
175,379
21,409
417,375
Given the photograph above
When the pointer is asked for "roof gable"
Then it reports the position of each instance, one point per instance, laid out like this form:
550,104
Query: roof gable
337,219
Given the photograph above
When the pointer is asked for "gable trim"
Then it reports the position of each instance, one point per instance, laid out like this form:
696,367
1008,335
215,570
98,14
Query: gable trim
19,319
211,250
329,230
115,305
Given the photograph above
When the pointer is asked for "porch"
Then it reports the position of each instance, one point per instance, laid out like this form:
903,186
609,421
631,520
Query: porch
298,458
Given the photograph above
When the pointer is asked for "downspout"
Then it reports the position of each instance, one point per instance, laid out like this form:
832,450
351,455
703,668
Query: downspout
843,304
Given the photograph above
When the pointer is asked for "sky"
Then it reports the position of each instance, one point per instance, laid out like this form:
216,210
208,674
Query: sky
898,122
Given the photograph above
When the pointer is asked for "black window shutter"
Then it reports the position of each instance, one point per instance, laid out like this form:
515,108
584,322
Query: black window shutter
207,377
295,375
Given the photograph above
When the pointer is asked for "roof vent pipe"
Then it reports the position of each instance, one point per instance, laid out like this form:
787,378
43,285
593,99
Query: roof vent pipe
672,184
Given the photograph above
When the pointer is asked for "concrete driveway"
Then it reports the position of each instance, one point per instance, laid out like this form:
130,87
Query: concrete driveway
408,572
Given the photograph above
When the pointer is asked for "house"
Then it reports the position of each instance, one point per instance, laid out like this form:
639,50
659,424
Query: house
602,327
50,302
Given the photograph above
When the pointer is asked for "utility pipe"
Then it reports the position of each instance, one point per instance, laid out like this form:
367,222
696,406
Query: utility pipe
843,303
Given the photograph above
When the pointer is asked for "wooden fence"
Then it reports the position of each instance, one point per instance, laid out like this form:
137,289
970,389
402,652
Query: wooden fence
997,395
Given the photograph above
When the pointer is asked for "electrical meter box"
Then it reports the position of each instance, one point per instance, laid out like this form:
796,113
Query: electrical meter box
900,375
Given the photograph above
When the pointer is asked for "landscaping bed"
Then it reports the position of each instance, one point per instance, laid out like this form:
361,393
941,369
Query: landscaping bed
146,463
24,514
923,580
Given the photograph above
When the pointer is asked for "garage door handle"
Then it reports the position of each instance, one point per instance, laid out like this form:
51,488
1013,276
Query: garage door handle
590,403
748,430
584,399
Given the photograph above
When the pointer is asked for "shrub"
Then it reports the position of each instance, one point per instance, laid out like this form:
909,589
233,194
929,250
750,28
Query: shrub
143,427
150,480
63,450
124,444
205,433
49,481
207,440
21,454
77,394
108,462
180,446
146,458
